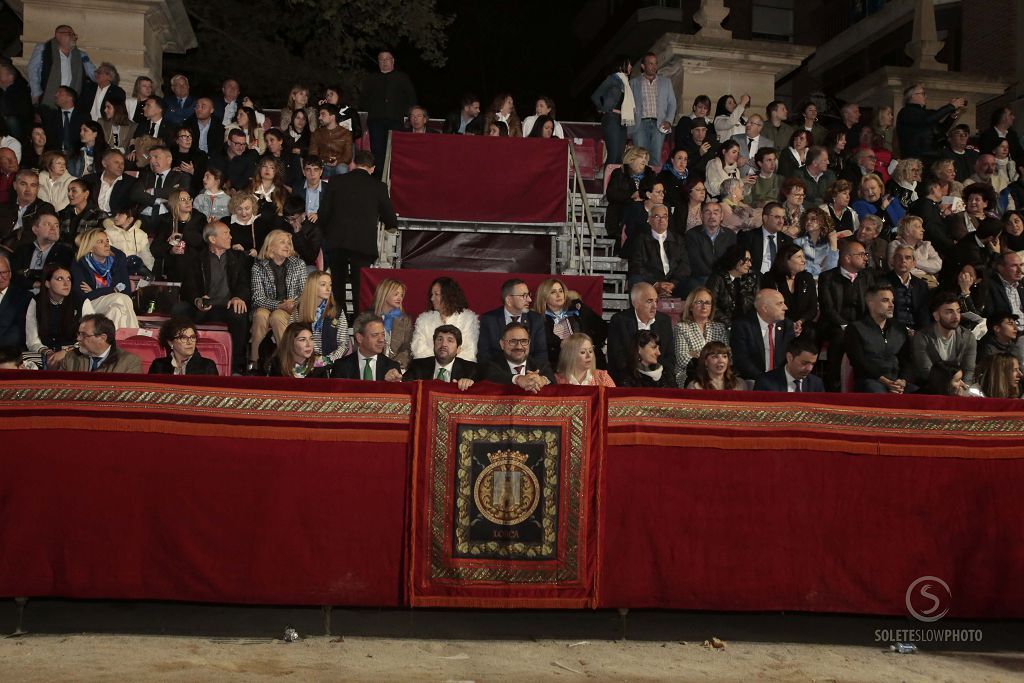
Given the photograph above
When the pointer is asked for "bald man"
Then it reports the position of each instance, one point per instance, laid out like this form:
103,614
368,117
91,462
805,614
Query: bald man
759,339
642,315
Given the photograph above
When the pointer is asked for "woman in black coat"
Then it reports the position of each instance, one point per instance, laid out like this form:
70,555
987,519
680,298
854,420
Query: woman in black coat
789,277
733,284
642,366
178,337
624,187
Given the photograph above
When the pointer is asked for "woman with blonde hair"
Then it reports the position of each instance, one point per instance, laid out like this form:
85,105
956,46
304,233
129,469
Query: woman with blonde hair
298,100
715,371
248,227
278,277
944,170
999,376
910,233
565,314
54,179
694,330
874,202
387,303
624,188
905,180
577,363
100,275
318,309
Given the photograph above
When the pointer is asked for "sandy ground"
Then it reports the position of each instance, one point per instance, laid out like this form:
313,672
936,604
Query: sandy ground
166,642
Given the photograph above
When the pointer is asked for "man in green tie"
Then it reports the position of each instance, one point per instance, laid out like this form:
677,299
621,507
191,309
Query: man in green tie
444,366
368,362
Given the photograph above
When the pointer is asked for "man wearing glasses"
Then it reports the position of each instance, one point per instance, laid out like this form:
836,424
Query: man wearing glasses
659,256
915,124
842,293
516,365
865,163
97,349
58,62
517,302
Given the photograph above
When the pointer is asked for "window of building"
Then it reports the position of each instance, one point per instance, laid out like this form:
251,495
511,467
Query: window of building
772,19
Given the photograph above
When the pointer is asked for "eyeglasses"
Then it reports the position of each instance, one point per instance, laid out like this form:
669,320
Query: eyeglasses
83,335
517,342
525,296
186,338
746,259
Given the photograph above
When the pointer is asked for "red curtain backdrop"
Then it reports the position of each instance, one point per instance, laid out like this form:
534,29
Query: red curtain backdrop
151,490
479,179
324,492
483,290
733,505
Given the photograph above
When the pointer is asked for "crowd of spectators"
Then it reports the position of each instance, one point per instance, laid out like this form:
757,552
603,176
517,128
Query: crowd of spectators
882,256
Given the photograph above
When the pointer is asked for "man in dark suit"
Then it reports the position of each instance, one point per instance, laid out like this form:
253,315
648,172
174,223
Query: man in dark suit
180,105
797,375
515,365
643,314
927,207
911,292
765,244
355,203
1001,128
63,125
158,182
658,257
759,339
879,347
217,288
1006,286
444,366
17,218
706,243
111,189
516,299
238,163
862,164
369,361
465,121
207,131
841,294
13,303
31,259
155,125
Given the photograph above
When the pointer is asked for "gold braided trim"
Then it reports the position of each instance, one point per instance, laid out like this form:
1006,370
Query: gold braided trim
137,398
691,414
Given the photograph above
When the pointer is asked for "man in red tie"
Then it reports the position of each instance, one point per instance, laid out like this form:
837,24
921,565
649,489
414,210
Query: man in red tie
516,365
759,339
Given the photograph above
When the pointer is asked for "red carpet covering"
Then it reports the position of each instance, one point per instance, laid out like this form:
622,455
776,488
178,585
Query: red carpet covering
479,179
349,493
504,503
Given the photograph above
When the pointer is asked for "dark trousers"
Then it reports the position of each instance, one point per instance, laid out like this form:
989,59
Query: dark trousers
379,129
834,363
238,328
342,262
614,137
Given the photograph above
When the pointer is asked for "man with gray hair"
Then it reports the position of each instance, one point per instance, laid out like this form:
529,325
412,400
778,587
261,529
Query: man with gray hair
864,163
217,288
642,315
58,62
97,349
107,87
369,362
658,256
916,124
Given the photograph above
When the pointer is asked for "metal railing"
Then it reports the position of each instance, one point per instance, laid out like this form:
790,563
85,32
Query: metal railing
580,256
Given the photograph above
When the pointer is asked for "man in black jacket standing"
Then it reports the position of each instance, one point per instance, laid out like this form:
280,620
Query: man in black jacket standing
355,203
386,96
915,125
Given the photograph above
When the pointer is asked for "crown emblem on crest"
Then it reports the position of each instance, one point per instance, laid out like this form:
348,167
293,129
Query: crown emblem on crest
507,456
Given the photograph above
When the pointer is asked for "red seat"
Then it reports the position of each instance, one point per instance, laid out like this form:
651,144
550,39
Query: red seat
586,158
142,342
214,344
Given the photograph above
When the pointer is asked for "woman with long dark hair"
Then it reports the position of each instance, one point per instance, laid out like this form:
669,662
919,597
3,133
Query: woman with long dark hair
94,145
51,321
643,368
789,276
729,119
715,370
81,213
447,306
